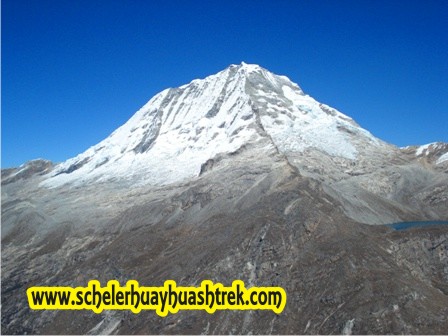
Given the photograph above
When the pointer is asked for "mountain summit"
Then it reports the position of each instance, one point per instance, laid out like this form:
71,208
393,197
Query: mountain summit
179,129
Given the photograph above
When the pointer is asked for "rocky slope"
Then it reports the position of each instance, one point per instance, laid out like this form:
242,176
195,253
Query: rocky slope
237,176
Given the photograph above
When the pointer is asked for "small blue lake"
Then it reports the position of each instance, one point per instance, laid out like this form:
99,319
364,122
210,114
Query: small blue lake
408,225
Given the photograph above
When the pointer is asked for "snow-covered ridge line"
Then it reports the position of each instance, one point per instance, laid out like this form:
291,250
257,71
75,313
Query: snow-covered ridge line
170,136
424,148
437,151
179,129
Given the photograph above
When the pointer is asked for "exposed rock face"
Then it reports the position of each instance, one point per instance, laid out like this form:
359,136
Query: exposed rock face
232,177
26,170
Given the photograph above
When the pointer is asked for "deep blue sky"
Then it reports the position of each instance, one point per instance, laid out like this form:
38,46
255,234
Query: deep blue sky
73,71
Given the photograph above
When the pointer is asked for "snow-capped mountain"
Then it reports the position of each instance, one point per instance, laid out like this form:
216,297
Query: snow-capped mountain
236,176
179,129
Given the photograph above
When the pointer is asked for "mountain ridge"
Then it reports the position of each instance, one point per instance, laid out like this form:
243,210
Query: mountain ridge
218,114
182,133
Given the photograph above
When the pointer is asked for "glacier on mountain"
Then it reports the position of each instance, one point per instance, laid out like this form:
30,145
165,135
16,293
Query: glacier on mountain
179,129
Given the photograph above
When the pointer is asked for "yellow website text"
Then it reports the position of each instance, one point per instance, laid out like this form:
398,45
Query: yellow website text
166,299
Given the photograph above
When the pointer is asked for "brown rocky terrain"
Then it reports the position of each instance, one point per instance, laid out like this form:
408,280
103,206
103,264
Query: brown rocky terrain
264,224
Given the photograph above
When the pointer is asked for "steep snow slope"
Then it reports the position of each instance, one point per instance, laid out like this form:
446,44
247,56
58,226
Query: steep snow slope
179,129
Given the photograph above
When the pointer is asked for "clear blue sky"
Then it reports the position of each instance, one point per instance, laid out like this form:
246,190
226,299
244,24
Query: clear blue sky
74,71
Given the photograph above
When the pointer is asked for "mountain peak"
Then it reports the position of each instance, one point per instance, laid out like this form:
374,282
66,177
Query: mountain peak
249,67
179,129
244,64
